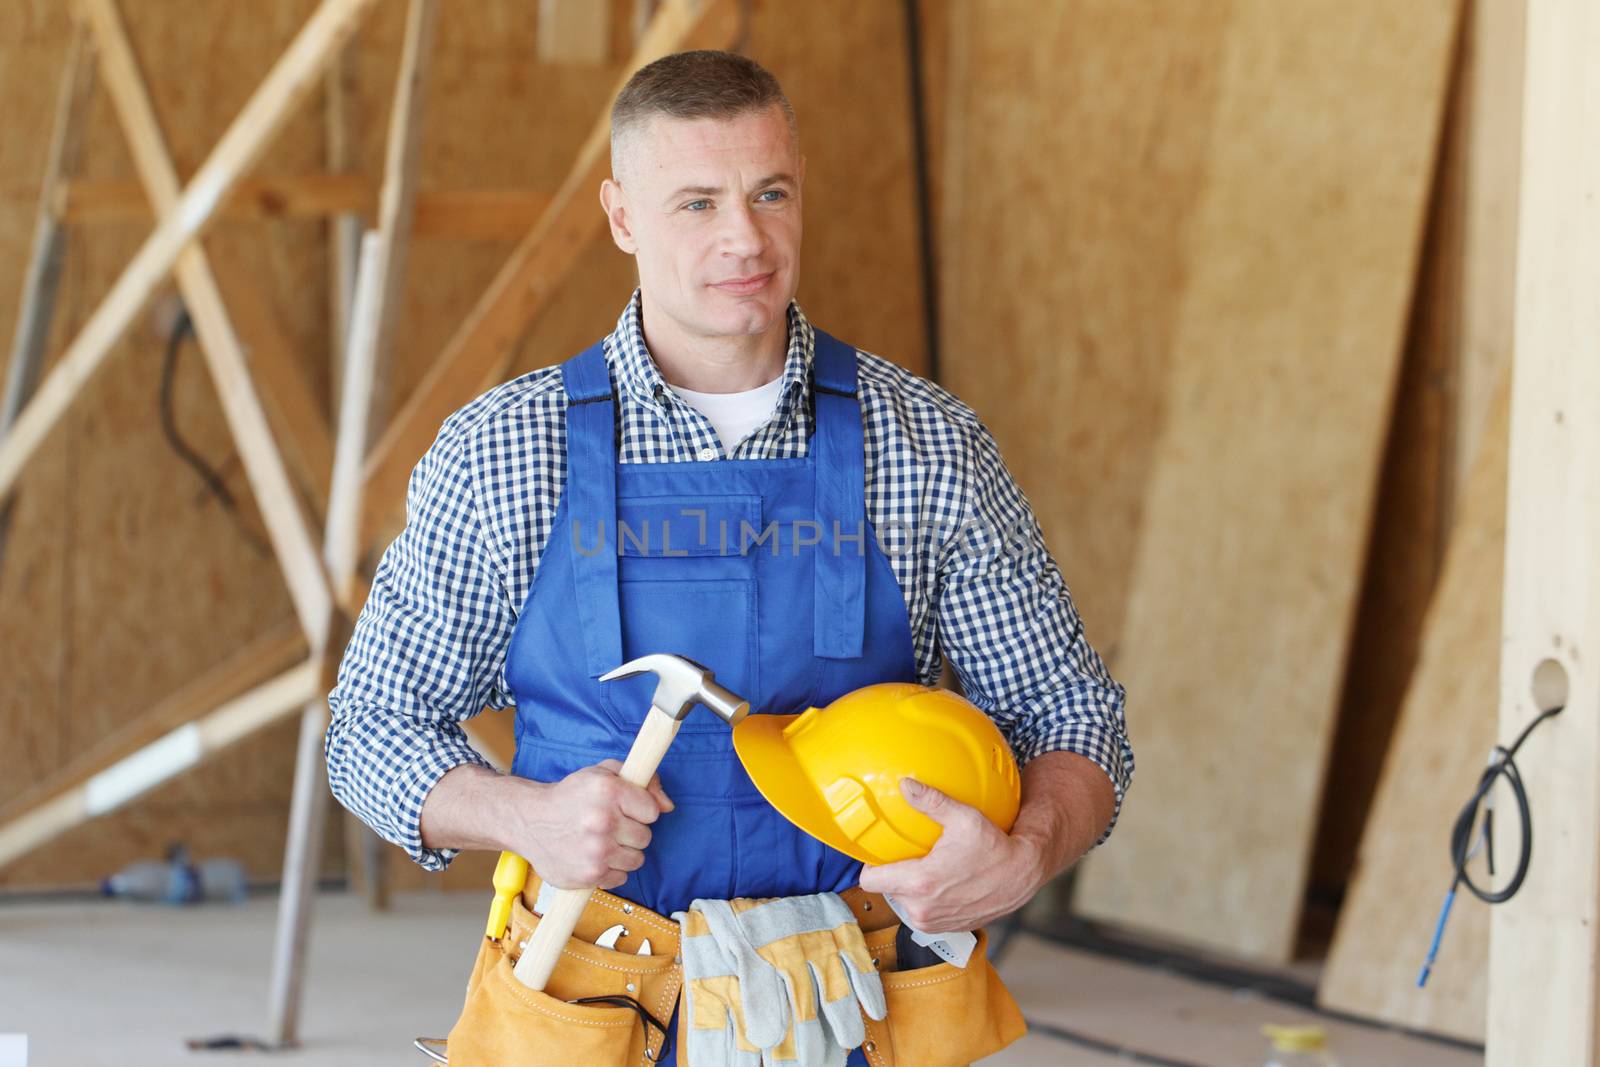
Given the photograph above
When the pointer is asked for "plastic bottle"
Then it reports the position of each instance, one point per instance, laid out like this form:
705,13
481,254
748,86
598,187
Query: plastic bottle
1298,1046
177,881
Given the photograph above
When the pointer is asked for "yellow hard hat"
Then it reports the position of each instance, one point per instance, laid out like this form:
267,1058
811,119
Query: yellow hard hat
835,771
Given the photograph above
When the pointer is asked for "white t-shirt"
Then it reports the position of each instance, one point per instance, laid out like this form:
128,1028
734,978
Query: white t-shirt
735,415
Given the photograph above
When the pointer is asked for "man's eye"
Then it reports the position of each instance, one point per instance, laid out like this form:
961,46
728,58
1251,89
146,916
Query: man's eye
695,205
777,194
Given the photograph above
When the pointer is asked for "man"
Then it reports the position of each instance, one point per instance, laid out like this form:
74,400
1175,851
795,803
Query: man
714,401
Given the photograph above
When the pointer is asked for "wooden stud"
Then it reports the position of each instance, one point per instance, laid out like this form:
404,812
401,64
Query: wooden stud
373,312
1544,967
396,203
484,345
491,215
43,275
291,78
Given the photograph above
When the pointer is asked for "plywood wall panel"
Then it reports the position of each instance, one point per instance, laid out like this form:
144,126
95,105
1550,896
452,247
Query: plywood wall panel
1078,141
156,582
1300,255
1446,728
1460,344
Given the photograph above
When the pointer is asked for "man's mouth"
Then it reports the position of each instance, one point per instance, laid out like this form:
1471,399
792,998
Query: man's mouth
744,286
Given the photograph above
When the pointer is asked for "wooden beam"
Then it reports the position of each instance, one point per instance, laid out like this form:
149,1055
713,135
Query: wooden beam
40,282
1544,967
490,215
291,78
303,196
396,204
299,417
280,510
256,663
309,800
44,262
376,307
114,783
484,345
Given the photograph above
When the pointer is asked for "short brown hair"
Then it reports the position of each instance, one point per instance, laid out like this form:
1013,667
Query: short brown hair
696,85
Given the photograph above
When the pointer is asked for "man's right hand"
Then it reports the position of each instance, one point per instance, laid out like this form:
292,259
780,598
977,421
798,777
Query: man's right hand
589,829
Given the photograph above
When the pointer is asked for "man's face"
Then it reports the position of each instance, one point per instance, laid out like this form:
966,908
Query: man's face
710,209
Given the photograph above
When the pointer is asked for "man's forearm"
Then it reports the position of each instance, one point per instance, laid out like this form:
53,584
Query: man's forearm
469,808
1067,803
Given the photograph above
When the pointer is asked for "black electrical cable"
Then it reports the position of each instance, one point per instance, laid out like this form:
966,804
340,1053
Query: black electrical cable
182,329
1502,763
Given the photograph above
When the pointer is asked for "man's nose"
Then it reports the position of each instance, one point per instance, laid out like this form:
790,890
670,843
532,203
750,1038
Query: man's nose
741,232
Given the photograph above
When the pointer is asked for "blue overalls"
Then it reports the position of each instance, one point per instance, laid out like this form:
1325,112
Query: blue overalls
764,570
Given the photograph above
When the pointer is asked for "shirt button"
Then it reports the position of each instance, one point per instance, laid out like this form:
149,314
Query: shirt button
708,453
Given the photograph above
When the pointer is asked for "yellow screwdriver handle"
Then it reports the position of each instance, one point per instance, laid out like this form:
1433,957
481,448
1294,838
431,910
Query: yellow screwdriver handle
510,875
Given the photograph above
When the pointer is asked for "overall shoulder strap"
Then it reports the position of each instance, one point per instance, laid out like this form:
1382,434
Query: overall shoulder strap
592,505
838,448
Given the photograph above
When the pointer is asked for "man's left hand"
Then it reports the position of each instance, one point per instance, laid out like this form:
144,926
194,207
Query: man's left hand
975,873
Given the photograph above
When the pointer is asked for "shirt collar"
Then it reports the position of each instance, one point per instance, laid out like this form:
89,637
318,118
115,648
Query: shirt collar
636,373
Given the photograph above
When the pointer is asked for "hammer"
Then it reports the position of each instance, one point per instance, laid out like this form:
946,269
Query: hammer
682,684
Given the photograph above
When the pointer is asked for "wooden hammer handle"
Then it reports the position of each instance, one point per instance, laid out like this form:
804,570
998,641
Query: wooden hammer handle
561,916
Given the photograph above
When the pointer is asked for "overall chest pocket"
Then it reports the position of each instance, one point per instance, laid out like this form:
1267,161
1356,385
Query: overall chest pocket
686,586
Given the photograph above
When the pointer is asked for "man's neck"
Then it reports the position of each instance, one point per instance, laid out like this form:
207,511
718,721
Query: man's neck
715,364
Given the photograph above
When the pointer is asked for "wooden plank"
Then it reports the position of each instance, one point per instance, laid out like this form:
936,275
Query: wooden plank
494,215
1544,968
300,196
184,747
268,656
376,307
269,479
298,415
396,202
574,31
1442,739
1302,256
290,80
44,260
483,346
43,276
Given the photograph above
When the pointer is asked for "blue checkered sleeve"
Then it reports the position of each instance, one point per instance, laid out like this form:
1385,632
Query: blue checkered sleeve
426,654
1008,626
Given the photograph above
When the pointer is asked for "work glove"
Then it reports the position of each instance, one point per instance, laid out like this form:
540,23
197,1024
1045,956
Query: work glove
801,969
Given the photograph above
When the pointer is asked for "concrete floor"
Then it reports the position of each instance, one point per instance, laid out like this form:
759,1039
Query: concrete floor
102,983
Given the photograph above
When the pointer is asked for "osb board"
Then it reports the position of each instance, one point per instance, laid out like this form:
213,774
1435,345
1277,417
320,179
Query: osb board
134,580
1301,256
1460,345
1446,728
1406,544
1078,142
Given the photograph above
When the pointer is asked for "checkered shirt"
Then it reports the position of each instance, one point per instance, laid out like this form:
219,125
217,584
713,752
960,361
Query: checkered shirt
429,648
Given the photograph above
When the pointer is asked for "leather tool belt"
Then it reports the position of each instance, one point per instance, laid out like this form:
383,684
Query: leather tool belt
939,1015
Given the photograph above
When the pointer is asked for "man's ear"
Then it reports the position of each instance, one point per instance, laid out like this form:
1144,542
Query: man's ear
615,203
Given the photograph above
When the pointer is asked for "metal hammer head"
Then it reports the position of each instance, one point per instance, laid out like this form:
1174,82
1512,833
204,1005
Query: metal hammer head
683,683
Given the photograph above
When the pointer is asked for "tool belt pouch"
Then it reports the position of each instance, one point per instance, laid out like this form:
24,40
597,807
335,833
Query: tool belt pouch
506,1024
939,1016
